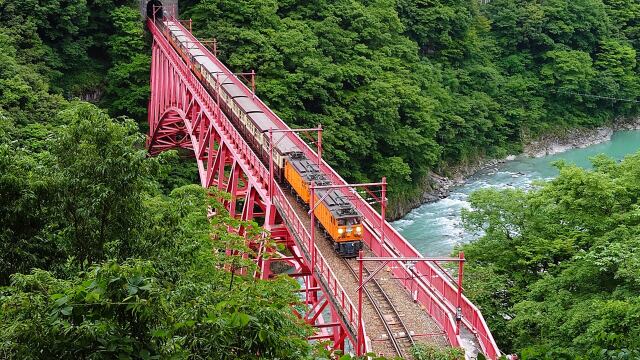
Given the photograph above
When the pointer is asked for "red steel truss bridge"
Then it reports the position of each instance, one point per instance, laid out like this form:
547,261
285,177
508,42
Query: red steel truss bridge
183,114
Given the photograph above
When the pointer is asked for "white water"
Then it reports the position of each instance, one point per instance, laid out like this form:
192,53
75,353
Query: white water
435,228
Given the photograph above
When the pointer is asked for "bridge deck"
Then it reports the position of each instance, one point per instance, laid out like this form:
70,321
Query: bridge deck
419,323
436,295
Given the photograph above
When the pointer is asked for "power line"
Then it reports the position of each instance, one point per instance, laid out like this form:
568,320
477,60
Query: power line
597,96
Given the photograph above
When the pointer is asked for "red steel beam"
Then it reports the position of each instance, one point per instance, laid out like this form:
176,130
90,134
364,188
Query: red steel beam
183,114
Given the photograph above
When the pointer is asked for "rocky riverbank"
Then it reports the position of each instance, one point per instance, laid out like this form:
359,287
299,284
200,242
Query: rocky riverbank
437,187
557,142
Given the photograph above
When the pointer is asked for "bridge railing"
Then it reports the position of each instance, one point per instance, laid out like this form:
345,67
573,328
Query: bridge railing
330,282
442,294
334,287
437,294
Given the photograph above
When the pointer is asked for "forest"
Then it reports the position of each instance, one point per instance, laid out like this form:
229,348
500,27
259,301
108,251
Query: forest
556,272
106,252
407,87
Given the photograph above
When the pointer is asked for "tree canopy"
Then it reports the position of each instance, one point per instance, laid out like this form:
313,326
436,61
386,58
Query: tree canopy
408,87
556,272
105,252
96,262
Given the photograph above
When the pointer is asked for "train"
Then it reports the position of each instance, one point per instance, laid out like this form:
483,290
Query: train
336,214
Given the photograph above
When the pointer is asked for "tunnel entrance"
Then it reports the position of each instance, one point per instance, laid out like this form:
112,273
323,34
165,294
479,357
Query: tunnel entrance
154,6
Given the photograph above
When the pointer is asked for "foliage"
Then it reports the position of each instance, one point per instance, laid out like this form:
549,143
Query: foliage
104,257
408,87
169,305
77,194
177,169
555,272
74,44
426,352
100,166
344,64
127,88
402,88
102,264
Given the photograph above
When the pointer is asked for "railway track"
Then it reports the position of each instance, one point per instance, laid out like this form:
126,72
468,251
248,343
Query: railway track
387,320
398,334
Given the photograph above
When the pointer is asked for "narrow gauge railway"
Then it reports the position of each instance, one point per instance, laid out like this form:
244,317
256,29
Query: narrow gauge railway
398,333
420,322
336,241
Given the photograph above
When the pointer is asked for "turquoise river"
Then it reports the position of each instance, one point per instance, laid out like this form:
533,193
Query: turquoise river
435,228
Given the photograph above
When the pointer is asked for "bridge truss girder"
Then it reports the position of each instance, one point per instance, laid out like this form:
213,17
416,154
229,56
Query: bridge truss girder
183,115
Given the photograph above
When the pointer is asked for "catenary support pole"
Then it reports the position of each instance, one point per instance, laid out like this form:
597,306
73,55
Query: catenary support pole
360,340
271,165
312,238
383,207
459,298
319,145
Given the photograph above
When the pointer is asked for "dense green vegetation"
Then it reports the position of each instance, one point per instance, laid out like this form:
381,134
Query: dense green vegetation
104,252
556,273
107,253
404,87
97,263
72,44
425,352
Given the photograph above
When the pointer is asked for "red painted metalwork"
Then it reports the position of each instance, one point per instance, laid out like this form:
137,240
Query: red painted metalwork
460,289
433,290
360,341
413,261
182,114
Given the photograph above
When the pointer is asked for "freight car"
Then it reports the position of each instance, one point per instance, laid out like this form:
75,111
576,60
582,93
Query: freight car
336,213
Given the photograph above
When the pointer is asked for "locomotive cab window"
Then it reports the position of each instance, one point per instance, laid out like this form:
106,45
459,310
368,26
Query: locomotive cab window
347,222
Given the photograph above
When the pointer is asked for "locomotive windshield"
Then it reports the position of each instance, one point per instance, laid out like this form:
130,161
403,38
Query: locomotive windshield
348,221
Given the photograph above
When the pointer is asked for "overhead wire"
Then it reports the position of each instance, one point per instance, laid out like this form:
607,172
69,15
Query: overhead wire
596,96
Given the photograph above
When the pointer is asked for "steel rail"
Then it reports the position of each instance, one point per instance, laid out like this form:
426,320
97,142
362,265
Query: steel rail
376,306
436,293
395,310
223,126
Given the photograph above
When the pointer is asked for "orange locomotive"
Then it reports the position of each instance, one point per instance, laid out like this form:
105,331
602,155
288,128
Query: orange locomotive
336,213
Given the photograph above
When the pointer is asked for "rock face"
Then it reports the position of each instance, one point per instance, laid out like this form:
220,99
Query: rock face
557,143
437,187
577,138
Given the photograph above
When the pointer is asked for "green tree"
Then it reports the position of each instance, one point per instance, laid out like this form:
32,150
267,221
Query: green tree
443,29
127,88
558,263
102,169
88,196
568,71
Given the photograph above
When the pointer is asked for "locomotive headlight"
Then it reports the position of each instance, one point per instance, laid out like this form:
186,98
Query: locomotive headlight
340,231
358,229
